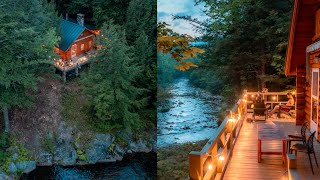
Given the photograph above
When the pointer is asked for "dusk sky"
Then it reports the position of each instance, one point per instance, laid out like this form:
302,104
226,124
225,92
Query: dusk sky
167,8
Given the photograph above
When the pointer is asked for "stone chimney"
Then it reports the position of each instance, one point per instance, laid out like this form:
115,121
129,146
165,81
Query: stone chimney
80,19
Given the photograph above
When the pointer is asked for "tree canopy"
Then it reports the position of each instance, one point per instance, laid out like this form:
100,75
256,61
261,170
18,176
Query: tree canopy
28,35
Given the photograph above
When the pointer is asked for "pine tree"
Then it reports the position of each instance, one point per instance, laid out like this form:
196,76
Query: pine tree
27,38
109,82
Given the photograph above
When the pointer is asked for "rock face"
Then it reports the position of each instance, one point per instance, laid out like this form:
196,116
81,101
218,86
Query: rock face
65,152
3,176
140,146
98,150
26,166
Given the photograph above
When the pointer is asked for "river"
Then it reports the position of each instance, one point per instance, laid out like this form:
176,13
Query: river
192,116
138,166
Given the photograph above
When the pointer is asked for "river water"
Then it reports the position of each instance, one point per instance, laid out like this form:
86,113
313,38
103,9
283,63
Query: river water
138,166
192,116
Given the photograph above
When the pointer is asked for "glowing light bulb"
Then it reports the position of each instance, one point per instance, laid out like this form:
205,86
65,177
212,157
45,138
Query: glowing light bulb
252,95
210,167
221,158
274,98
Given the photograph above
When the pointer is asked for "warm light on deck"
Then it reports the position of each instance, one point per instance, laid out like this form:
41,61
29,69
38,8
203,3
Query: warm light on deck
252,96
221,158
245,95
274,97
210,166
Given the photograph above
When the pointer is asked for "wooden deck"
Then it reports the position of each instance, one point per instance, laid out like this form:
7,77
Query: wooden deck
244,161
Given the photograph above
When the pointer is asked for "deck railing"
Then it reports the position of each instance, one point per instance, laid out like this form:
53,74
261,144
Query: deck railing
211,162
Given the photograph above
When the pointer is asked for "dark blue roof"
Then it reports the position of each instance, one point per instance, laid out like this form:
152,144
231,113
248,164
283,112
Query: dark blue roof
70,32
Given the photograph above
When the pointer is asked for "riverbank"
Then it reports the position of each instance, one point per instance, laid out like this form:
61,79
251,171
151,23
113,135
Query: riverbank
173,161
56,130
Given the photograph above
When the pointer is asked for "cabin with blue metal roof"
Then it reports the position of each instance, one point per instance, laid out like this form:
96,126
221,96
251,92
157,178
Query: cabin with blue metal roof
76,44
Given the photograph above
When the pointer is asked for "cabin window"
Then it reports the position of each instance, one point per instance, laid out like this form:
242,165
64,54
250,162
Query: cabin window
90,44
82,47
73,50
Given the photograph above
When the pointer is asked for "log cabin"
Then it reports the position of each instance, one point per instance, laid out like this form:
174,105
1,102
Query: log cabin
302,61
77,41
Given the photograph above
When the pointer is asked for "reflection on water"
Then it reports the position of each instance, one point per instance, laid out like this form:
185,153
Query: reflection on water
191,118
140,166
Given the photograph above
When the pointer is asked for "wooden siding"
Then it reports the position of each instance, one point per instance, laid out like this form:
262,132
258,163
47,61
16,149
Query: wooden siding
67,54
300,95
244,161
302,31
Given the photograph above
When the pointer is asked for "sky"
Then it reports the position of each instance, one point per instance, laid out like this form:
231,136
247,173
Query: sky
167,8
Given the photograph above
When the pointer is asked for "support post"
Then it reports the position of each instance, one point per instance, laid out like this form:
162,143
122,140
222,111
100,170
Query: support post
77,70
195,165
64,76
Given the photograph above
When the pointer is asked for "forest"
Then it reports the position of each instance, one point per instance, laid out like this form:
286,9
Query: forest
115,94
246,49
247,43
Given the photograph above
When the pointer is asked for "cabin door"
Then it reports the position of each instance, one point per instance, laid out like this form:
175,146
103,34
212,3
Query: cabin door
314,100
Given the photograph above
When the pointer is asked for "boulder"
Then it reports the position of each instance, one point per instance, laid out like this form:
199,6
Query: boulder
3,176
12,168
98,150
26,166
140,146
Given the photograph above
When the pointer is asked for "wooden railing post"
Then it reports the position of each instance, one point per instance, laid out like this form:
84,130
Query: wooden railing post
195,165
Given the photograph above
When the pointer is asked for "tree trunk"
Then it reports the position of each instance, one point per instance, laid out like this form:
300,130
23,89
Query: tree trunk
263,74
6,119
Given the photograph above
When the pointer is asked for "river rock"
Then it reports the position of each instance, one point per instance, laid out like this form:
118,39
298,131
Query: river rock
140,146
26,166
12,168
45,159
3,176
98,150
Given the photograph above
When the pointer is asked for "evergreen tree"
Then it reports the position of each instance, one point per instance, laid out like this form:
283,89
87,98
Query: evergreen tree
27,39
141,17
109,82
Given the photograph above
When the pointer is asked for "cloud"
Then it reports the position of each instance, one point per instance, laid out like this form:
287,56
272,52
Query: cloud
167,8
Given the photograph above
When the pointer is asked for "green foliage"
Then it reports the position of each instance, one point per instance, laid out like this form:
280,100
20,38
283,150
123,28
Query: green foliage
247,45
111,148
109,82
48,144
4,144
82,155
121,141
27,37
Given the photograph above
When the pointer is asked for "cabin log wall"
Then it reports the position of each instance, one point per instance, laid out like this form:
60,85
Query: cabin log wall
300,95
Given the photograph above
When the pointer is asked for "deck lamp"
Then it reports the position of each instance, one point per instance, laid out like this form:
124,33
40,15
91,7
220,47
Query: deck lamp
220,162
274,98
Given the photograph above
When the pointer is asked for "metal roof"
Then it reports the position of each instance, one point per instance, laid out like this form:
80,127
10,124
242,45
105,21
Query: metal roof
70,32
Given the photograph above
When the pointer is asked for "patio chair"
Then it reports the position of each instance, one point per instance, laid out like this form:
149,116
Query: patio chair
259,109
301,137
306,148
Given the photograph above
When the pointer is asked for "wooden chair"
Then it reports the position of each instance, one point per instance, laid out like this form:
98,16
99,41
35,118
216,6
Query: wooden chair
306,148
259,109
301,137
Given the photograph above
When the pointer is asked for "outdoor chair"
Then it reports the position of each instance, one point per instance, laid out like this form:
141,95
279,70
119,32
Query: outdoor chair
301,137
259,109
306,148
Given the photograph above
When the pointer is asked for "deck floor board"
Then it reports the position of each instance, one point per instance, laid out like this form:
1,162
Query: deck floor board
244,161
